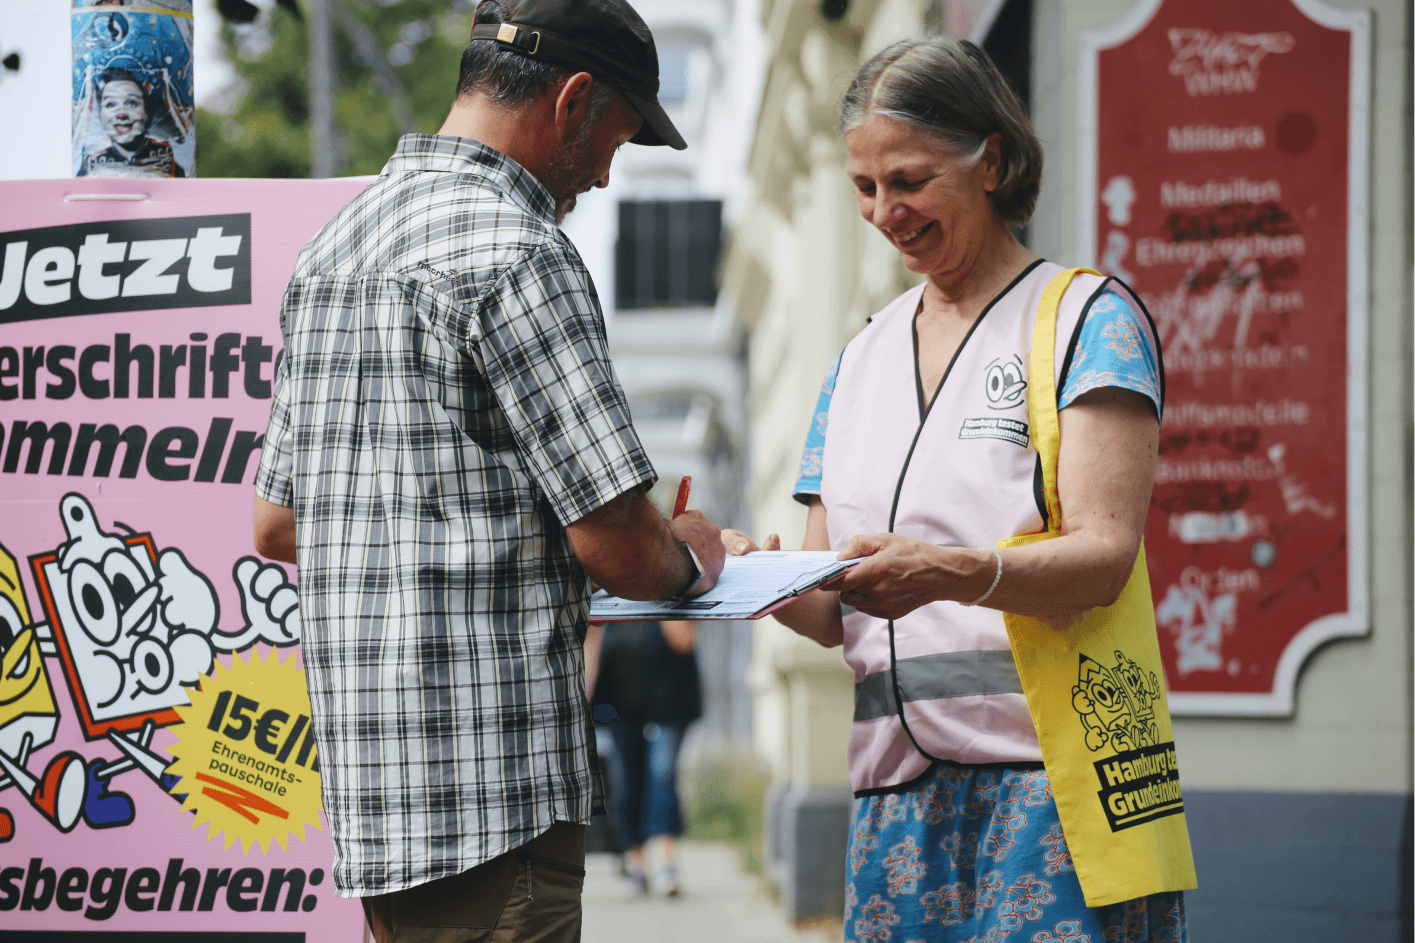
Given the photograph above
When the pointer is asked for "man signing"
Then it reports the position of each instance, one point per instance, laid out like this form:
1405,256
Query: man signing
450,461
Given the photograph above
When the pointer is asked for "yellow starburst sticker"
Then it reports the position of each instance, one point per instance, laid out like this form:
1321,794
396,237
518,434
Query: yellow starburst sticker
246,753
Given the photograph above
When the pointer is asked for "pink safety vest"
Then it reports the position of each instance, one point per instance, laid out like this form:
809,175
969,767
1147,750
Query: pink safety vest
966,475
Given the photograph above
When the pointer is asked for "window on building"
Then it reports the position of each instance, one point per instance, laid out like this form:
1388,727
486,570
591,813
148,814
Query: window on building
1009,43
673,75
667,253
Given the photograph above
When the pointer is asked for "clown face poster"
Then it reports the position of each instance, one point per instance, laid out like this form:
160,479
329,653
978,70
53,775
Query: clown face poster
132,77
157,767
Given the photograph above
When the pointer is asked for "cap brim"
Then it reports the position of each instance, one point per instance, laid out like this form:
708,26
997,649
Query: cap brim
657,131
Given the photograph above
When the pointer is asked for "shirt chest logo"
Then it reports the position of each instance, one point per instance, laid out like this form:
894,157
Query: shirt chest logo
439,275
996,427
1005,382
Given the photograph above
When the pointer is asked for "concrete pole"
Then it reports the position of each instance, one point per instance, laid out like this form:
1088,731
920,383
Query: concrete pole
324,156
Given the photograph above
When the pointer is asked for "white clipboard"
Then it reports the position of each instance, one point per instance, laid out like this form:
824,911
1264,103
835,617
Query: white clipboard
750,587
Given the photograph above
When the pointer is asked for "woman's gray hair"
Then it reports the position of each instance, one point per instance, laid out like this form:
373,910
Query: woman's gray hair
951,89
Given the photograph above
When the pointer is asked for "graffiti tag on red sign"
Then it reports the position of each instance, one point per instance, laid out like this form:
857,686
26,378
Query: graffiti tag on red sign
1224,180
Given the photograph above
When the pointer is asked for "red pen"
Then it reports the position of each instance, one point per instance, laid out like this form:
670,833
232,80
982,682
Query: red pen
684,486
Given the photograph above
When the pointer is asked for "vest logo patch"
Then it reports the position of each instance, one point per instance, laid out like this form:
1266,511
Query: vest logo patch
995,427
1140,783
1005,382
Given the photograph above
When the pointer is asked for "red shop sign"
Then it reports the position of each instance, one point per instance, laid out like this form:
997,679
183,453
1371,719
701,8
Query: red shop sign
1223,176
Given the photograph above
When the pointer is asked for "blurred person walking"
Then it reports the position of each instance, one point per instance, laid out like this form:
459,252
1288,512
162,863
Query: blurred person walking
449,461
941,428
648,672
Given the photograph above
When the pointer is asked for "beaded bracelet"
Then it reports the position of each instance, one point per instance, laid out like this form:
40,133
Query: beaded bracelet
995,580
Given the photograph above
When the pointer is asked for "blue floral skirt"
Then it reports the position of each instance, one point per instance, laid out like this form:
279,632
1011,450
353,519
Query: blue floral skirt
976,855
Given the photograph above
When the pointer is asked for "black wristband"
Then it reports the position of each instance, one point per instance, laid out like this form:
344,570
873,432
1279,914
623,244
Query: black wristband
695,568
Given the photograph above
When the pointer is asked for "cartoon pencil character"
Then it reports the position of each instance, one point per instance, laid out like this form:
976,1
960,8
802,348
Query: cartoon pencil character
1116,704
29,715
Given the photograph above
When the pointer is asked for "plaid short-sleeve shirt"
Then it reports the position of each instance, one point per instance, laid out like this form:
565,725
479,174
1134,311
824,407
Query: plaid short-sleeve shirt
445,405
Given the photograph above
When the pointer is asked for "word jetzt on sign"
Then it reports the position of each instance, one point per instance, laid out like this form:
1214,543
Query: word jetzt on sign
126,265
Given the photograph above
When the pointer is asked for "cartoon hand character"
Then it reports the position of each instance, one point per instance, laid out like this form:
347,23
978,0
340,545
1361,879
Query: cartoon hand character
189,613
269,603
188,598
87,541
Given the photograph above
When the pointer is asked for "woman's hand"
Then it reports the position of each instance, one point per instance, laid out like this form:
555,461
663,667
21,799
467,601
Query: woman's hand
901,574
1109,444
737,543
816,614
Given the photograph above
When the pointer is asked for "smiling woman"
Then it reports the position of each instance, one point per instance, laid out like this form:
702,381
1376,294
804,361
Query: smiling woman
936,433
952,92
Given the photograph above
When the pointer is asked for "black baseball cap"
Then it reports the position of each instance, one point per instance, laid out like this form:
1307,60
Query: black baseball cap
605,38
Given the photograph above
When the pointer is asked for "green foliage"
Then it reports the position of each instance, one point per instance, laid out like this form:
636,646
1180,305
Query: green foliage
728,793
268,133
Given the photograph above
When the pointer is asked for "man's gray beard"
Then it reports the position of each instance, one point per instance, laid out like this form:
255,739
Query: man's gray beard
568,174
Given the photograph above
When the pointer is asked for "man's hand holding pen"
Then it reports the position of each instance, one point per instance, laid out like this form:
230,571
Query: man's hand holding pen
705,541
702,542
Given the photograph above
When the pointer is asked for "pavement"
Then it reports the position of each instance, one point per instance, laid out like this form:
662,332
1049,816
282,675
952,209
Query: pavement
720,903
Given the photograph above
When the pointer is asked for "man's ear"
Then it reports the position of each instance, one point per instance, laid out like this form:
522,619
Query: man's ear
572,102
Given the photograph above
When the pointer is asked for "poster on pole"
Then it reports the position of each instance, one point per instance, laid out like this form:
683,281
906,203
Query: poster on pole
134,109
157,769
1223,175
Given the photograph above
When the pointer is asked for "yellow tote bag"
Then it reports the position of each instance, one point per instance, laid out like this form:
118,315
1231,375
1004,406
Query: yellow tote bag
1095,689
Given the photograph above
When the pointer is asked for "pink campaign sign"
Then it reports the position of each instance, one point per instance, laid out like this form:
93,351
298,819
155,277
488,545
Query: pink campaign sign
157,772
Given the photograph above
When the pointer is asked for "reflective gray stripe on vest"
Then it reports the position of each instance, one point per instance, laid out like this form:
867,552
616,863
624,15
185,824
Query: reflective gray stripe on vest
948,674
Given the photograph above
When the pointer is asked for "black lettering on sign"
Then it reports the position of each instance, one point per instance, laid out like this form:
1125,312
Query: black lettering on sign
155,891
168,453
125,265
246,715
1139,786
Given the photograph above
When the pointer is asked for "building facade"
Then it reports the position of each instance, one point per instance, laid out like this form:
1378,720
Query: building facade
652,242
1301,822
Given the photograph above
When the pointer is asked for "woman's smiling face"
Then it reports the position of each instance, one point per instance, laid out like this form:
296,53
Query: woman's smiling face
122,113
929,200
